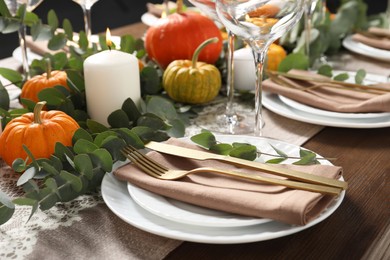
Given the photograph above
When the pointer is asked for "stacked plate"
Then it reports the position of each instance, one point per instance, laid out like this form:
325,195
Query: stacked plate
365,50
301,112
174,219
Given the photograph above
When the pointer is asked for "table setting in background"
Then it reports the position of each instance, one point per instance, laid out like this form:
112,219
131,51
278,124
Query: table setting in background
273,116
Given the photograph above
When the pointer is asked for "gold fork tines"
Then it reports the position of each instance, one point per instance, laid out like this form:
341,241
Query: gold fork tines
159,171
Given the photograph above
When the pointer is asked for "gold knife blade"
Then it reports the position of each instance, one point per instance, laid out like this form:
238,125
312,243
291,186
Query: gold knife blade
288,173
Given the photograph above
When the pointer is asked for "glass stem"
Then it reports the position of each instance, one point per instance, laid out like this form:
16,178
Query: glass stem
87,21
22,42
230,75
259,64
308,23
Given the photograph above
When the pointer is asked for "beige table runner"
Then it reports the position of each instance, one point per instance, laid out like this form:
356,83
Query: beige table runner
86,228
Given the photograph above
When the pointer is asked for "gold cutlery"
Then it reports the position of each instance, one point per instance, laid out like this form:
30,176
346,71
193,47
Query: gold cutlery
159,171
279,171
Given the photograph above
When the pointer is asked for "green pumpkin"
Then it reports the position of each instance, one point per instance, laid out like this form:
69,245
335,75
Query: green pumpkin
192,81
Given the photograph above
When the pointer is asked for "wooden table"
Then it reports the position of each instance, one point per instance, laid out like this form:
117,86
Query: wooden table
359,229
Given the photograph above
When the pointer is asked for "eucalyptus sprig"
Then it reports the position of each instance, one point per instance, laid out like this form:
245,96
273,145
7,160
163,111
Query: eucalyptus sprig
250,152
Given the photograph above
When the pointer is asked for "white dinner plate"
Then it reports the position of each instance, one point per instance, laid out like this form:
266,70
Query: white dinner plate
276,105
365,50
186,213
117,198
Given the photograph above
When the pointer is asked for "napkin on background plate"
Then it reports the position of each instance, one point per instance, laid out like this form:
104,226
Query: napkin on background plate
331,99
380,38
233,195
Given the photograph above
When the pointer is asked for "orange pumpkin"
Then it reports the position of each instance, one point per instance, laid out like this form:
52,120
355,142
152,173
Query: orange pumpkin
50,79
177,36
39,131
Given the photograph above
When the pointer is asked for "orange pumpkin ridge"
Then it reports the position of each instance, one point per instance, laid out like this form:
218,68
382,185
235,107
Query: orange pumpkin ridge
34,85
178,35
40,138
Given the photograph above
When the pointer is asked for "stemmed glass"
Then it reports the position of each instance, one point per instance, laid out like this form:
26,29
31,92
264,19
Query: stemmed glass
86,5
259,23
228,121
310,6
13,6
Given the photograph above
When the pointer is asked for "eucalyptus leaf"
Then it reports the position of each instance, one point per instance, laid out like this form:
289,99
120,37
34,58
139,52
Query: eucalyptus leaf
102,158
99,138
48,198
280,152
131,110
127,44
24,201
50,169
41,32
248,152
52,20
73,180
204,139
68,29
294,61
223,149
341,77
96,127
12,75
177,128
118,119
113,146
7,208
4,11
306,159
61,151
325,70
83,165
161,107
57,42
26,176
276,160
83,40
75,81
84,146
130,137
4,98
19,165
81,134
150,81
360,75
52,96
152,121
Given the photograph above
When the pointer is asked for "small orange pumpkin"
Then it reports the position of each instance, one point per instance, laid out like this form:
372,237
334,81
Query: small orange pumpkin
49,79
39,131
177,36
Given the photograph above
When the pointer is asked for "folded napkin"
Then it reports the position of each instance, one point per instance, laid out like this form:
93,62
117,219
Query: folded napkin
377,38
332,99
234,195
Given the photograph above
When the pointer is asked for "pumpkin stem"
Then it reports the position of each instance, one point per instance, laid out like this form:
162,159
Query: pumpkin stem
48,68
37,112
179,6
200,48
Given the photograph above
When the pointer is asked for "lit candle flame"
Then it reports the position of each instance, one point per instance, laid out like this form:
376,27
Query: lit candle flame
108,38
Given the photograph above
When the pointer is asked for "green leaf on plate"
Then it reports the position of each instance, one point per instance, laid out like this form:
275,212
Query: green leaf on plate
325,70
205,139
360,75
223,149
341,77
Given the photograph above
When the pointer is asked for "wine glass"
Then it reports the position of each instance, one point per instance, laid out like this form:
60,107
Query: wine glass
86,5
259,23
310,6
13,6
227,121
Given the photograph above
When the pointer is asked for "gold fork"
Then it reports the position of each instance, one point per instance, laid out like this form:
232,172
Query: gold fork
159,171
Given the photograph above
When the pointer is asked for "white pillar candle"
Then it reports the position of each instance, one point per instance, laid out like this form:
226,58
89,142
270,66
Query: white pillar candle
110,78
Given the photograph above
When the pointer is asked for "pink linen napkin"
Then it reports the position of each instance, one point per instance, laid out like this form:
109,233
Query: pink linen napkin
231,194
380,38
331,99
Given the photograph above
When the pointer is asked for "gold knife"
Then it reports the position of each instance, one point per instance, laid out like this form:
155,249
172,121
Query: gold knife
288,173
